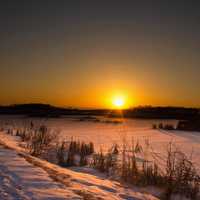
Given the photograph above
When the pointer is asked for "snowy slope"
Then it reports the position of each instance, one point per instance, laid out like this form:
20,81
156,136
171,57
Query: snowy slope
22,181
32,178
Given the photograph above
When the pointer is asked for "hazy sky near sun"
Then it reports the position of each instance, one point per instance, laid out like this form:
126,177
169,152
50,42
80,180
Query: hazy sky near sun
81,53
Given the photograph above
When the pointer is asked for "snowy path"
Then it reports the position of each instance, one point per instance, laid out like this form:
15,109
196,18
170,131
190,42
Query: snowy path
25,177
22,181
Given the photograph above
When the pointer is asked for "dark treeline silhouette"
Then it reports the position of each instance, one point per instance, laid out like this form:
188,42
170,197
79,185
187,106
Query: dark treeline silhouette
150,112
146,112
189,125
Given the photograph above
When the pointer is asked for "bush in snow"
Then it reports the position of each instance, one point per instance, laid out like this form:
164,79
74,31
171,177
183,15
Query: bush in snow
160,126
40,140
168,127
164,127
74,153
61,153
154,126
106,162
181,176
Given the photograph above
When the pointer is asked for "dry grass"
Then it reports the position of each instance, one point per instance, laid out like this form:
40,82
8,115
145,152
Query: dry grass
179,176
66,151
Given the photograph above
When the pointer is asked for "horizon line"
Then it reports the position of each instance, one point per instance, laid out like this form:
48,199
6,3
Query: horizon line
99,108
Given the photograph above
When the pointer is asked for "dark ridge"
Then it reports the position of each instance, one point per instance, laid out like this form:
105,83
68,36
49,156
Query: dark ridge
146,112
34,110
163,112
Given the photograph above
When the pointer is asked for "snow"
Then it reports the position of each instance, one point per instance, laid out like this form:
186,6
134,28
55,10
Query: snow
90,183
32,178
22,181
104,135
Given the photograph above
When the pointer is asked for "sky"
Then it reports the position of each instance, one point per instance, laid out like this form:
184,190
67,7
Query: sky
86,53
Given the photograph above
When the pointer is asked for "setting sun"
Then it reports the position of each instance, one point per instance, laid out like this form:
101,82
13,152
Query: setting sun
118,102
118,99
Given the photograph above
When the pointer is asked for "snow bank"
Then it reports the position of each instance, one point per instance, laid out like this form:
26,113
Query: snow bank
88,186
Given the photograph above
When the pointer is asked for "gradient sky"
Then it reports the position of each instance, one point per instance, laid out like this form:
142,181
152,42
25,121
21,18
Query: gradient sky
82,53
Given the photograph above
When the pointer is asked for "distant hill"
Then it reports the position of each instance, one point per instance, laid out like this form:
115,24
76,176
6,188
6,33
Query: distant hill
35,110
146,112
45,110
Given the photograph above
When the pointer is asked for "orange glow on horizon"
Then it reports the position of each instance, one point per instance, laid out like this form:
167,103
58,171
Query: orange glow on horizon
118,100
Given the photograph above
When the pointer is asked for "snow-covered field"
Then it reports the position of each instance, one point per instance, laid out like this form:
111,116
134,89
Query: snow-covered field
104,135
23,177
84,181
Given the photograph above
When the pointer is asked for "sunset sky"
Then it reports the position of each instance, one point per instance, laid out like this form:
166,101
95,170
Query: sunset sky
86,53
